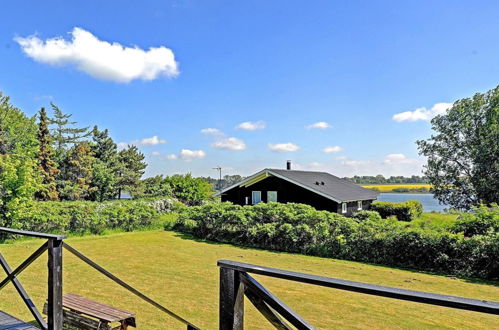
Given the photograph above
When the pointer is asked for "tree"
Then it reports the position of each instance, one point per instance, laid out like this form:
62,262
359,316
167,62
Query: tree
76,173
463,154
131,167
105,167
64,135
46,165
19,179
189,190
155,186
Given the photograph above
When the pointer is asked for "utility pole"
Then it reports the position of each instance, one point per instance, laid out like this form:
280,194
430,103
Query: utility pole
219,169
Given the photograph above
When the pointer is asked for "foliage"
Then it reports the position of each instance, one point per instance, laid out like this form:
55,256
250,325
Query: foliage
154,187
131,167
462,154
190,190
105,166
484,220
366,237
46,164
65,136
19,179
76,173
400,188
380,179
405,211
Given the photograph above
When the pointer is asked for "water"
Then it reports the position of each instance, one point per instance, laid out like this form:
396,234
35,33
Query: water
427,200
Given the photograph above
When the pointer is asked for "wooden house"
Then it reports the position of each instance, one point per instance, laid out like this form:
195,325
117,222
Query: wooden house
321,190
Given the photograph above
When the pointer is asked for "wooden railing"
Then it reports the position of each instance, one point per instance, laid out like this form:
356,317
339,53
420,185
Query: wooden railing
54,246
235,283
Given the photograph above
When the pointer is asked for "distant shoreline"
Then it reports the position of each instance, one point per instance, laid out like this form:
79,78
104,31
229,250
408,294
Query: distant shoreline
417,188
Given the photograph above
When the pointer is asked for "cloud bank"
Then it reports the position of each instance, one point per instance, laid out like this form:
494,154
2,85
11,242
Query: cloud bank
283,147
187,155
251,126
422,113
150,141
101,59
230,143
319,125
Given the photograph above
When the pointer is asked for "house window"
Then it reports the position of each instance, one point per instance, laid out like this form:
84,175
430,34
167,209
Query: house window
271,196
359,205
256,197
343,207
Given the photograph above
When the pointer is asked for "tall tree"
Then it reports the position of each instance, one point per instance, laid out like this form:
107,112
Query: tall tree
105,166
46,165
64,134
463,154
76,173
131,167
19,179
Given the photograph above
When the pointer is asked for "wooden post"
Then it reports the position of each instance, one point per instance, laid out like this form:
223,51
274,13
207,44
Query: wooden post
231,300
54,304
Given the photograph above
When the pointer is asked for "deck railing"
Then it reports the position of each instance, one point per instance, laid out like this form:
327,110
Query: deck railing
235,283
54,246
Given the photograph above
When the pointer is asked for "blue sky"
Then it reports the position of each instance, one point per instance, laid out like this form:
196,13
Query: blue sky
368,74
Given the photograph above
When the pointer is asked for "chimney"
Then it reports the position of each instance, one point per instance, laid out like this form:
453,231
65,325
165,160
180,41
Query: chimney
288,165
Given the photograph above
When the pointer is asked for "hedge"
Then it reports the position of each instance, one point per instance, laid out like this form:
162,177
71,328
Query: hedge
91,217
405,211
365,237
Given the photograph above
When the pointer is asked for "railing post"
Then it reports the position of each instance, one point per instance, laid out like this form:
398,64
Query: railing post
54,303
231,300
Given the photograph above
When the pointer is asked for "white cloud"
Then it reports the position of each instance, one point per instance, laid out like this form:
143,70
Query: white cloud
150,141
422,113
101,59
398,159
212,131
319,125
251,126
230,143
283,147
155,153
187,155
332,149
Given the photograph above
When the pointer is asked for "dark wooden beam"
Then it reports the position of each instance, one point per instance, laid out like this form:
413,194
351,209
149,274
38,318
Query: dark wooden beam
484,306
25,264
31,233
231,300
24,296
266,311
54,301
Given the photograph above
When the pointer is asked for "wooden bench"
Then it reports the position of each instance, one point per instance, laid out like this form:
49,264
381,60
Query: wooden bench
85,313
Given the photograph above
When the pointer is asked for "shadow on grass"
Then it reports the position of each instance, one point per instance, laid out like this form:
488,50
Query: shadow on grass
473,280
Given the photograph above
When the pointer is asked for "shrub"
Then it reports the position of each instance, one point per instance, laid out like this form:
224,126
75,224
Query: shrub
366,237
405,211
483,220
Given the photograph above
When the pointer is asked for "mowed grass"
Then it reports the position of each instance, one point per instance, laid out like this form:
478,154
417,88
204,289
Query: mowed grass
181,274
385,188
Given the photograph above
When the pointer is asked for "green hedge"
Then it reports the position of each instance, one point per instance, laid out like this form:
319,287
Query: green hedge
91,217
405,211
366,237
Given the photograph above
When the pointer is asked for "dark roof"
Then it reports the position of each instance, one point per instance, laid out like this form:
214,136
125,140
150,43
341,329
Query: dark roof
333,186
322,183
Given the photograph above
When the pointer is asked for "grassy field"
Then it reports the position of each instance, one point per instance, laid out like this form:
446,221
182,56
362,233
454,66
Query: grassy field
181,273
386,188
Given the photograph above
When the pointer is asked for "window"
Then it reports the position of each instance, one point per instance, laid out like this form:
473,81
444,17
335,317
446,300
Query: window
343,207
359,205
256,197
271,196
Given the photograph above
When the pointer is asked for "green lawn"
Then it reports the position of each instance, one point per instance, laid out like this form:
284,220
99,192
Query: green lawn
181,274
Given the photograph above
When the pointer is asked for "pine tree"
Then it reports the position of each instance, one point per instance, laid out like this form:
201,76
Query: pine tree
103,146
46,165
77,173
105,167
64,135
131,167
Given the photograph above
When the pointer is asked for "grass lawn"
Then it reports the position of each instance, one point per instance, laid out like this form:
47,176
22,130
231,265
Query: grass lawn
181,273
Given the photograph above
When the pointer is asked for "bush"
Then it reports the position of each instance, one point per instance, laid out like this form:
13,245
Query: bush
405,211
92,217
366,237
483,220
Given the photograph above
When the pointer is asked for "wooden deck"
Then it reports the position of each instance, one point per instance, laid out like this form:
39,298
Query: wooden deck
12,323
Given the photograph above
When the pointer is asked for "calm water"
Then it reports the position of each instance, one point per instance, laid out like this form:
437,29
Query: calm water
429,203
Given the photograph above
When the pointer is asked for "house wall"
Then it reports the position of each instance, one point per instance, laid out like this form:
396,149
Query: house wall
287,192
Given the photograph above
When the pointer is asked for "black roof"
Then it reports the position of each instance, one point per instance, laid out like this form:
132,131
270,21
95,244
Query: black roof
328,184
